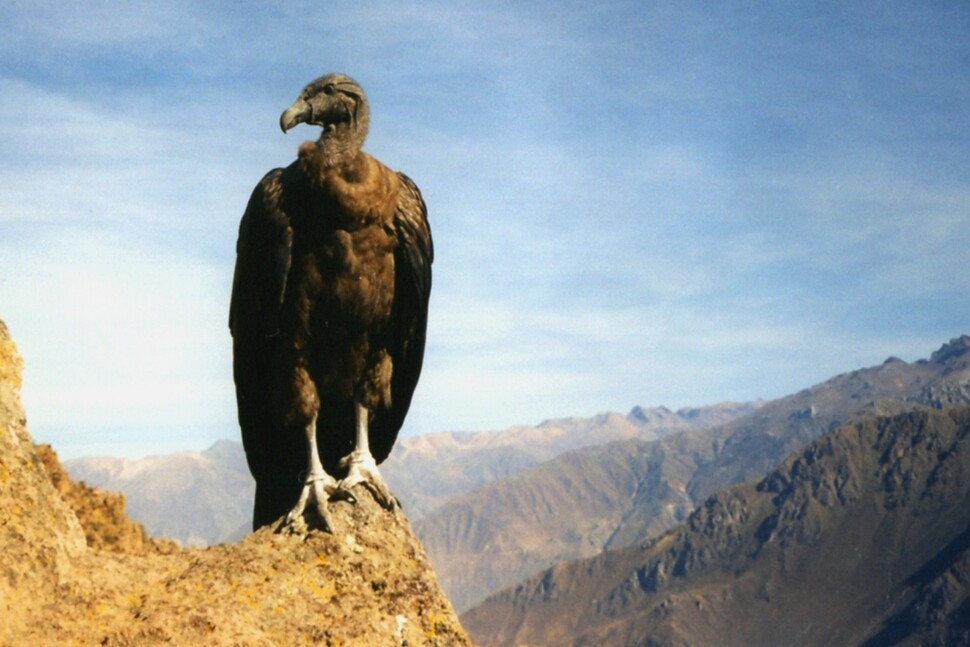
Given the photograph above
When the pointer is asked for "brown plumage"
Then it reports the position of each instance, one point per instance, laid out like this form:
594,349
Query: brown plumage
328,312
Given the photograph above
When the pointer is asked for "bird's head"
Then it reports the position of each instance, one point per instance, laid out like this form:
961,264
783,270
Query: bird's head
337,104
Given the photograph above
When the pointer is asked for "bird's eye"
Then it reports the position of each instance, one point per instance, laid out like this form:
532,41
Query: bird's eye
328,88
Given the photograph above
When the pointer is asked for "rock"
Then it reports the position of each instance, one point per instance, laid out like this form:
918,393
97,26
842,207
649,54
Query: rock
39,535
369,583
101,513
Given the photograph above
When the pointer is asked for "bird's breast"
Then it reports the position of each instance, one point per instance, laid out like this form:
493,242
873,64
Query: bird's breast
342,278
360,193
347,281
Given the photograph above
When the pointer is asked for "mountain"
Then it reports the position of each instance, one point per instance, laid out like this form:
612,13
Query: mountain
197,498
428,470
494,507
613,495
862,538
76,572
424,471
100,513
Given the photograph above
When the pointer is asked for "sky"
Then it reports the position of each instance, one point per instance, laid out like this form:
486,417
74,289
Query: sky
633,203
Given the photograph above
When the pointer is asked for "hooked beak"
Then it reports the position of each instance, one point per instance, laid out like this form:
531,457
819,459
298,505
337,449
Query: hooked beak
299,113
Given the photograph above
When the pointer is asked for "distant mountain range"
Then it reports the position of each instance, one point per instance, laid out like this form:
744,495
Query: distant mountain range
614,495
429,470
200,498
863,538
196,498
495,507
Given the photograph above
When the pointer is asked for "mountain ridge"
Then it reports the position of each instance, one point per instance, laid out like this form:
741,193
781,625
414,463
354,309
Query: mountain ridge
423,471
652,486
482,536
162,492
862,538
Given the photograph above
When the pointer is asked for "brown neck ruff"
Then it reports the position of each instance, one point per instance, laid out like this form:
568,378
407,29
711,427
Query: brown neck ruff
361,186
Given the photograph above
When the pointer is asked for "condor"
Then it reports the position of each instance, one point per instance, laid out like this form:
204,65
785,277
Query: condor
328,313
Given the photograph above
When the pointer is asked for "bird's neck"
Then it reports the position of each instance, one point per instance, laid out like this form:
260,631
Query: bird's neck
325,157
361,185
338,145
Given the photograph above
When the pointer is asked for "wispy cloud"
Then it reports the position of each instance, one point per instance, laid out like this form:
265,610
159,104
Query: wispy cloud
631,205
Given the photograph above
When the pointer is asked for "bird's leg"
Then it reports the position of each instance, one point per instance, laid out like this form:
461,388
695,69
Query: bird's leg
318,485
362,468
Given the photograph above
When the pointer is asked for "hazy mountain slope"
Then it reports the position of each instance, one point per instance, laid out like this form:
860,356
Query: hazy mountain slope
863,538
197,498
163,492
611,496
568,507
427,470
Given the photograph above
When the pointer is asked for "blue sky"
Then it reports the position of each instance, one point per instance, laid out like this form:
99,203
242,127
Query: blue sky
632,203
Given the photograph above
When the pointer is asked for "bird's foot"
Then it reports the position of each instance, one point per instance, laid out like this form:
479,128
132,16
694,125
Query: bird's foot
362,470
317,488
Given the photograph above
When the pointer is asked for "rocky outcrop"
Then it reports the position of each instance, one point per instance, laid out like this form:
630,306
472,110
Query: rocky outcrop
39,535
369,583
100,513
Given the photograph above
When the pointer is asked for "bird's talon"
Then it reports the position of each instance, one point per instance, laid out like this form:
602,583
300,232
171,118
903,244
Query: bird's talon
317,488
382,496
342,494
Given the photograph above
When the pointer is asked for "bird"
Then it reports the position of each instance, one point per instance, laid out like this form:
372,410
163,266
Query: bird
328,312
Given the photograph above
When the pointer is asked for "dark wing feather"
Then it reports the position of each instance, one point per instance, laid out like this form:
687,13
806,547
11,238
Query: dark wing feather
263,256
412,288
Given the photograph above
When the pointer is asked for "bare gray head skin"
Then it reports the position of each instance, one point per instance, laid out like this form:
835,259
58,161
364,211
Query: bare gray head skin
337,104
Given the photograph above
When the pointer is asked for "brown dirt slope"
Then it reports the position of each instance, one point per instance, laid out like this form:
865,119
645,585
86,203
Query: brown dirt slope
367,584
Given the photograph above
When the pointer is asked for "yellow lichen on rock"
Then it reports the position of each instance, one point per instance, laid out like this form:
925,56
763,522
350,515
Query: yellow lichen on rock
369,585
11,363
39,535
